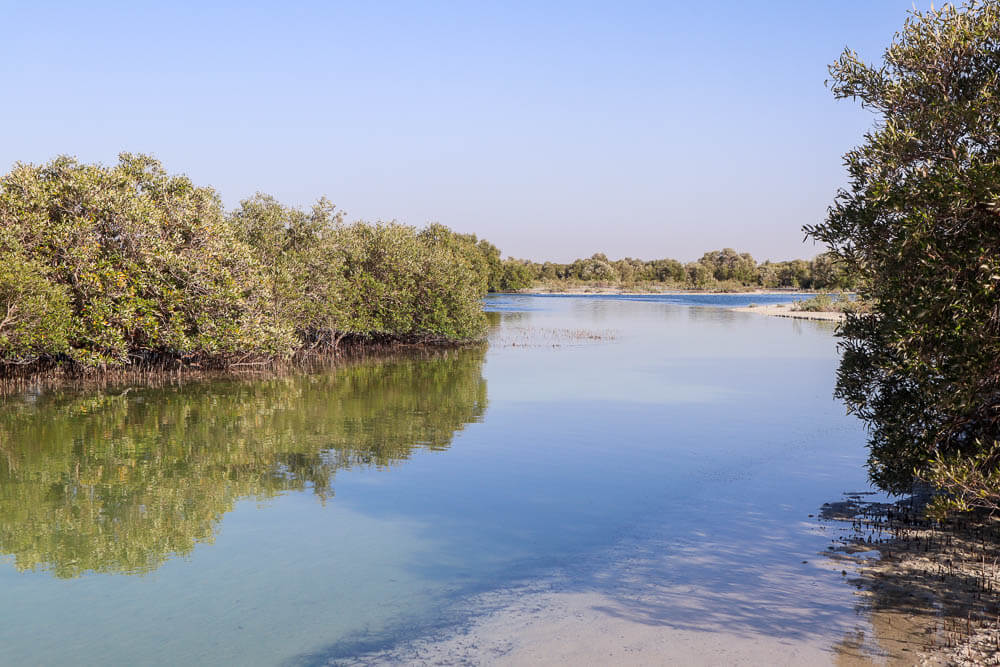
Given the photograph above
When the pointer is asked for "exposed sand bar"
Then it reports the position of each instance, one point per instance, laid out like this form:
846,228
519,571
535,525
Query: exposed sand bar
785,310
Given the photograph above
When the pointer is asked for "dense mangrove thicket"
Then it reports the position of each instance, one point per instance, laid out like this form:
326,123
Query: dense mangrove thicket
719,269
121,481
110,266
920,222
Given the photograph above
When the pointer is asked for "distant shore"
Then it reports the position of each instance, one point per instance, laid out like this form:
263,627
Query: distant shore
774,310
584,291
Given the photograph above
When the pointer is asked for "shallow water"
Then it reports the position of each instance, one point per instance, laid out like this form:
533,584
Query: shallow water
640,447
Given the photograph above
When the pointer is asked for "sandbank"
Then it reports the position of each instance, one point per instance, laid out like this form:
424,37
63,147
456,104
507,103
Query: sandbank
785,310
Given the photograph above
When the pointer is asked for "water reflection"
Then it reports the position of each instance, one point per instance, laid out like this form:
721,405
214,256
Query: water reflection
121,481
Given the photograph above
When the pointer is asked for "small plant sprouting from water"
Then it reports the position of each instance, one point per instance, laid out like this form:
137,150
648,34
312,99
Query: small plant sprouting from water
941,574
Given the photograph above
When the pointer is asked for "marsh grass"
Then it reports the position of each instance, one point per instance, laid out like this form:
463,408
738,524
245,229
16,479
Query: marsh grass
550,337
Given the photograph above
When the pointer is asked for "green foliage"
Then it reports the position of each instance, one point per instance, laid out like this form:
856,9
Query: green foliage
491,255
122,481
920,225
107,266
297,251
667,270
727,264
401,283
147,260
837,302
479,257
35,317
595,268
698,274
821,303
971,481
516,275
483,259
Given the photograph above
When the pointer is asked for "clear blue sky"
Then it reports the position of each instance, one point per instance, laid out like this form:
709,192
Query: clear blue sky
553,129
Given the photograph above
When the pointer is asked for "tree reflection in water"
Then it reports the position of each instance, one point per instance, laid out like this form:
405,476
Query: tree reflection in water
120,481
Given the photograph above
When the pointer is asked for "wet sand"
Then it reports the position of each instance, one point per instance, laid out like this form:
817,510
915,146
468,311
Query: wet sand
931,592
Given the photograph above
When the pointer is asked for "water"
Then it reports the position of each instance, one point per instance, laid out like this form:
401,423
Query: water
315,517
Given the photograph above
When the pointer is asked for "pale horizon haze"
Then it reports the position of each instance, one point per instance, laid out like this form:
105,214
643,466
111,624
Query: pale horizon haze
555,130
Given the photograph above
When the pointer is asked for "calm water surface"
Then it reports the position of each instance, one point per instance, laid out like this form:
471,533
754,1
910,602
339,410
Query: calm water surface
312,518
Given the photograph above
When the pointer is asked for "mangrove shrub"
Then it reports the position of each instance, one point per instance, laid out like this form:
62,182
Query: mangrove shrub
109,266
920,223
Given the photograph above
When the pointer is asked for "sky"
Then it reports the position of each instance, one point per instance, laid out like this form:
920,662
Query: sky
553,129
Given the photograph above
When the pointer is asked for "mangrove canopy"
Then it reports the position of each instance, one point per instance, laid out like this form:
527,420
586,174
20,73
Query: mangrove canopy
920,223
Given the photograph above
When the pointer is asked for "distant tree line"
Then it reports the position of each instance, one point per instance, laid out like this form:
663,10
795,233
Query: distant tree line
717,269
104,267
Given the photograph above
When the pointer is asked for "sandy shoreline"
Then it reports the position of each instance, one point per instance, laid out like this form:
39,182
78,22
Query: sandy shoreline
785,310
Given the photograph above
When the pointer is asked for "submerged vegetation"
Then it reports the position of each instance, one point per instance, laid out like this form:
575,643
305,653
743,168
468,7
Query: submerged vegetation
107,267
120,481
920,223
